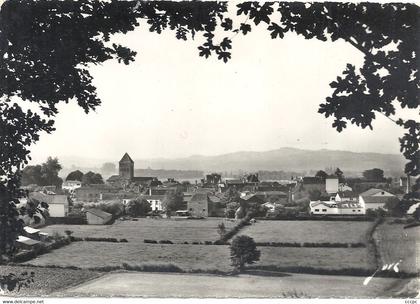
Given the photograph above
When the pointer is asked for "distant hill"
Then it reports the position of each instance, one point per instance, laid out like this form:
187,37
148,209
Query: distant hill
286,159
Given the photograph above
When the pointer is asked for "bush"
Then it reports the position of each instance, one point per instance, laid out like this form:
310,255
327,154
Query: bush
98,239
221,229
138,207
165,242
243,250
75,239
231,209
150,241
123,241
168,267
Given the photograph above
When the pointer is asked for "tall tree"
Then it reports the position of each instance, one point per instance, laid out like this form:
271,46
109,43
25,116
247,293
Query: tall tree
138,207
173,201
375,175
31,175
92,178
340,175
322,175
43,175
49,171
75,175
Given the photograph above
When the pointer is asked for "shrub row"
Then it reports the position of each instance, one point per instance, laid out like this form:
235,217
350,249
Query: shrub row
319,218
147,267
97,239
68,220
231,233
372,247
169,267
343,271
185,243
326,244
412,225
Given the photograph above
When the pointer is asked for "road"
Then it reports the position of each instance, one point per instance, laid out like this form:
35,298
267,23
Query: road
142,284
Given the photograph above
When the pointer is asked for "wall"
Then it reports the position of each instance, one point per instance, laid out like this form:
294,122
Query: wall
57,210
349,211
331,185
94,220
321,207
198,208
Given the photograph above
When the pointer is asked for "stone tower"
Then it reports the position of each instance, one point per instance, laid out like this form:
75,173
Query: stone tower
126,167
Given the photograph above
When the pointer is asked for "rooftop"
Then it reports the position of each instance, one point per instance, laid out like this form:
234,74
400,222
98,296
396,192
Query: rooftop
99,213
126,158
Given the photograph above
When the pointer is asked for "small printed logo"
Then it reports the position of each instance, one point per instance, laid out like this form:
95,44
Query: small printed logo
393,266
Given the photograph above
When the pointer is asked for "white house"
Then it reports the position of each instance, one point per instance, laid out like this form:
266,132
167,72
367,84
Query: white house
332,207
375,198
71,185
155,201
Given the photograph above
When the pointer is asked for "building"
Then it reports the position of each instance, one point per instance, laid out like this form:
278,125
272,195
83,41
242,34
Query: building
331,184
97,217
94,192
251,198
375,198
155,201
310,183
26,243
126,175
71,185
336,208
58,204
273,196
126,167
198,205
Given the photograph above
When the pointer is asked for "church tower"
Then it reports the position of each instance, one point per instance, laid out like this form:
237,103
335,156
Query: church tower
126,167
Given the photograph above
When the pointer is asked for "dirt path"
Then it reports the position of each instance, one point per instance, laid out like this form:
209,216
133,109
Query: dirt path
135,284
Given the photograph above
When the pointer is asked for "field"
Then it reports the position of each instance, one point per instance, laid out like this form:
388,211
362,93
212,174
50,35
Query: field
133,284
47,280
308,231
98,254
395,244
176,230
188,257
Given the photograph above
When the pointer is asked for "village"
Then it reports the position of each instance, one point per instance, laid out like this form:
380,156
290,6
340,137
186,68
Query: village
215,196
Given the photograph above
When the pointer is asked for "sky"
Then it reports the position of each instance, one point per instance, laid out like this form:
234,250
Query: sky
172,103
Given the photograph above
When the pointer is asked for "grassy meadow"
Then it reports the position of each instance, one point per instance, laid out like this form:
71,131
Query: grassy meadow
190,257
308,231
396,243
176,230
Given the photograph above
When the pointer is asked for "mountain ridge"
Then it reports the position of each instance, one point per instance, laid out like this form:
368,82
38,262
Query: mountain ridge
280,159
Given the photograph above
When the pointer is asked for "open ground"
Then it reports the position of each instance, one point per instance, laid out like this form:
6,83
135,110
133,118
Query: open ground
393,242
206,286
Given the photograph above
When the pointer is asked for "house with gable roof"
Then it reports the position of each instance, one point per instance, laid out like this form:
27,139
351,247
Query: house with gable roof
375,198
